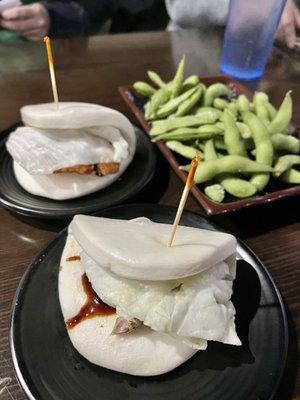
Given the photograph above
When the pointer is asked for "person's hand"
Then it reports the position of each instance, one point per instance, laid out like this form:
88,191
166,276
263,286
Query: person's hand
32,21
290,21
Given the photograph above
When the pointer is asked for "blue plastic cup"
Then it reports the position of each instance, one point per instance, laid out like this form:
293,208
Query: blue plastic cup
249,36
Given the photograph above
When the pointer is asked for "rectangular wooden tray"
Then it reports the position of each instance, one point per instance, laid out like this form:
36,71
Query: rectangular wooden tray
275,191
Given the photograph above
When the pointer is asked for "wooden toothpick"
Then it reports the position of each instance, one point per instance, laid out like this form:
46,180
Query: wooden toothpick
189,183
51,69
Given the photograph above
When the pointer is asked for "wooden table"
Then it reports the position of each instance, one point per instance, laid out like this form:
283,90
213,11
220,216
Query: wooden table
91,70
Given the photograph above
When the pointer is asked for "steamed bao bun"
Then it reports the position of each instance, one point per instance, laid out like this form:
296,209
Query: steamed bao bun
142,352
75,134
182,295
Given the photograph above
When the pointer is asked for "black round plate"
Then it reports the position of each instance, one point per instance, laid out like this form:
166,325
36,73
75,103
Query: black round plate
134,179
48,367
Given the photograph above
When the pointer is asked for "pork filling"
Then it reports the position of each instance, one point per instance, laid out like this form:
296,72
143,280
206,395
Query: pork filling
101,169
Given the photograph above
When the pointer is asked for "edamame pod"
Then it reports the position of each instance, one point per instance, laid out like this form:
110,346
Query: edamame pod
146,110
178,80
162,126
242,103
189,104
259,101
232,109
215,192
190,82
185,151
271,110
220,125
207,170
237,187
284,163
184,134
287,143
215,90
263,146
203,87
210,151
260,96
156,79
244,130
233,140
160,97
283,115
220,144
220,104
291,176
209,128
233,185
144,88
213,110
169,107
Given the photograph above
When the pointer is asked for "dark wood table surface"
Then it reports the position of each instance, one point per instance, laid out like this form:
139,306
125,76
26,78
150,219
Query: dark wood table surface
91,70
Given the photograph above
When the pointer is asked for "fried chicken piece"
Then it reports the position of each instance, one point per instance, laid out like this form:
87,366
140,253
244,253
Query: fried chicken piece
76,169
107,168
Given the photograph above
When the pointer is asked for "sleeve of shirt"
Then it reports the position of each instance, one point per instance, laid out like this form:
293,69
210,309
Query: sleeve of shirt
197,13
78,18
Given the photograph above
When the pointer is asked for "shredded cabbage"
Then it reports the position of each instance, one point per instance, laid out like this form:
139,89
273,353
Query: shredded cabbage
196,308
43,152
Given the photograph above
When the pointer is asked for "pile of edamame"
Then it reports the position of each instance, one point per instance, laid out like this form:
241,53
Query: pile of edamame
242,144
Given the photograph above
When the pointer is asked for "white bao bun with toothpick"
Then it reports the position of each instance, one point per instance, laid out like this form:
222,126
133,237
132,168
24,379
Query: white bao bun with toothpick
142,352
179,294
75,134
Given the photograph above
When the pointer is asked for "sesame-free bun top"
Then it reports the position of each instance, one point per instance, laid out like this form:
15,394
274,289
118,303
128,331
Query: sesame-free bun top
69,115
73,115
137,249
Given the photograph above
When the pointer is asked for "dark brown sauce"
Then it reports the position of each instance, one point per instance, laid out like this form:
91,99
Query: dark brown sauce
93,306
73,258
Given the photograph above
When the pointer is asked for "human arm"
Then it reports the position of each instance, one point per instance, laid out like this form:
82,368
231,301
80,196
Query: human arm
289,22
197,13
58,18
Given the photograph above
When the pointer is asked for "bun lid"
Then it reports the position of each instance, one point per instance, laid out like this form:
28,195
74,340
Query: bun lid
137,248
75,115
71,115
